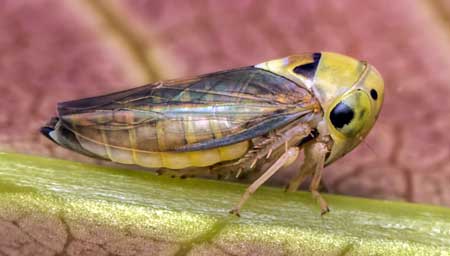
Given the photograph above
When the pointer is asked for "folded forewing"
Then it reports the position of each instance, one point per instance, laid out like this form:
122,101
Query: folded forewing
183,115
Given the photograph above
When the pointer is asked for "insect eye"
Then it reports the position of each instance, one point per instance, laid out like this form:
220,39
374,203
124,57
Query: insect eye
374,94
341,115
351,114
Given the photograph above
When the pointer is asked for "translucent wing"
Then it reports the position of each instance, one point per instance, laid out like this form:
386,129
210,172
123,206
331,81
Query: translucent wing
192,114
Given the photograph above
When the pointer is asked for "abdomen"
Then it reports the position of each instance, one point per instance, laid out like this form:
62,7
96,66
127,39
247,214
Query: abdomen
149,145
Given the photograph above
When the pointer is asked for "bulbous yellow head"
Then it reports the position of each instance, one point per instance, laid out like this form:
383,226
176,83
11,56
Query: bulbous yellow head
350,92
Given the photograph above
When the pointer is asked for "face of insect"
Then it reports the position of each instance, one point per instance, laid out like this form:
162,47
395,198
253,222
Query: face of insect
351,93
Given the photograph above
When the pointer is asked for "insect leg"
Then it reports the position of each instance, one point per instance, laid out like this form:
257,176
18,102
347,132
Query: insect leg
314,154
305,171
264,147
313,165
286,158
314,187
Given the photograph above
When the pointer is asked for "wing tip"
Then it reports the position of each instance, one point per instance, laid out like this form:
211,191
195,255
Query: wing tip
64,137
48,130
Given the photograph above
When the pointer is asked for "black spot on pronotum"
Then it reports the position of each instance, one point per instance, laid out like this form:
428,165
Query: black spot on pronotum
309,69
374,94
341,115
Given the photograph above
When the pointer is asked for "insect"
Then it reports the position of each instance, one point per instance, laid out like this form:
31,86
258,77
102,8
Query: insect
250,119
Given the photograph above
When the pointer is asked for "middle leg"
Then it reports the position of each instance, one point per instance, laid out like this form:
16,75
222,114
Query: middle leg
315,154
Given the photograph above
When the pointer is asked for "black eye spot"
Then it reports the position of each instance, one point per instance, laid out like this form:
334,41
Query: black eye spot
341,115
373,94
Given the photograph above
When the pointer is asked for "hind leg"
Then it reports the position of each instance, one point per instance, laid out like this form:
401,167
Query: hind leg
285,159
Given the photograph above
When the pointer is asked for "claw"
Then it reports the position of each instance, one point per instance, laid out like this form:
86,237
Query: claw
235,211
324,211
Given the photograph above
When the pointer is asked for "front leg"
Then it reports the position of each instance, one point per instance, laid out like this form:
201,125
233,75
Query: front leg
315,153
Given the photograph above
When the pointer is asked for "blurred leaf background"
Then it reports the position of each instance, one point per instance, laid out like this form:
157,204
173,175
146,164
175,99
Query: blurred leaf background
56,207
52,51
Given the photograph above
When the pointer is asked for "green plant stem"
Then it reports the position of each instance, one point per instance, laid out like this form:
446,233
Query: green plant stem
96,204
